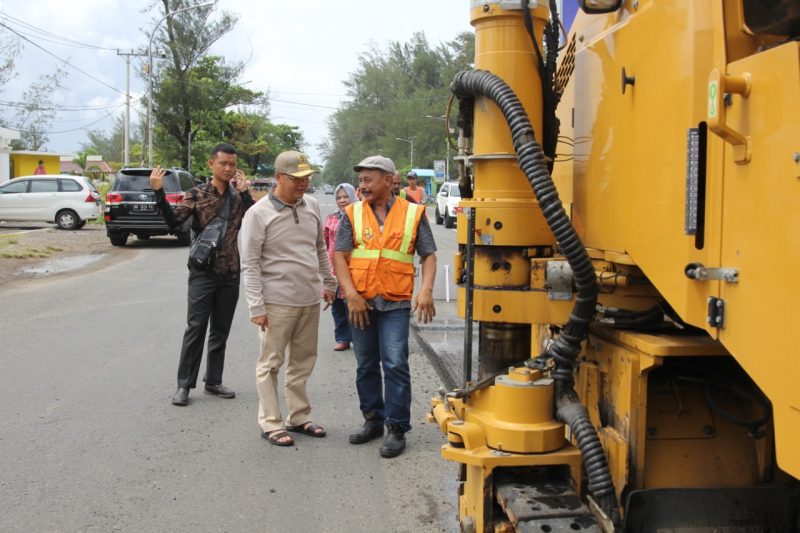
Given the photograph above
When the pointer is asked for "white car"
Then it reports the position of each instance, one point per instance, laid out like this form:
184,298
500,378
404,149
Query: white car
447,204
68,201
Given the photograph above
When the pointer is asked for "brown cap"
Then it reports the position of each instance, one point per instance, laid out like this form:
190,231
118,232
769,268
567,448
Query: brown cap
376,162
294,163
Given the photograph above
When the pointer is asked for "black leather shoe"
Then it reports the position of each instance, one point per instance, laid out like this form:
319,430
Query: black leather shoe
372,429
181,397
220,390
394,444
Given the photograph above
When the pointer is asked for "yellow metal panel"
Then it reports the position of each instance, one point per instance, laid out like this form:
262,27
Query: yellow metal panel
761,238
630,149
516,307
506,223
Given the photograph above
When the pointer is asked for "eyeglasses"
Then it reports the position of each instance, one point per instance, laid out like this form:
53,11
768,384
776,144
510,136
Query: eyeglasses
295,179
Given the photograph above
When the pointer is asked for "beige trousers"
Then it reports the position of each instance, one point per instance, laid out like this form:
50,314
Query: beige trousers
292,331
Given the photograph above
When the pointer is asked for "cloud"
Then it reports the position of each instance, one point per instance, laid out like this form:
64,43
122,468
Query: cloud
299,51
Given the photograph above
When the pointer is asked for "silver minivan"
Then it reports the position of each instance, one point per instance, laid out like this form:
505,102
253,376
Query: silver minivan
68,201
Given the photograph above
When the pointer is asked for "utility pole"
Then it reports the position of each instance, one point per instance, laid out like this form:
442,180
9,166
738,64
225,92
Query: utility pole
128,102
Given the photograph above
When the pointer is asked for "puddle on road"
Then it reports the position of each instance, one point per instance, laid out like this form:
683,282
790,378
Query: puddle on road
63,264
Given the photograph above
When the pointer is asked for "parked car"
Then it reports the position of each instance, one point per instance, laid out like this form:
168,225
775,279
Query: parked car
68,201
131,205
447,204
328,188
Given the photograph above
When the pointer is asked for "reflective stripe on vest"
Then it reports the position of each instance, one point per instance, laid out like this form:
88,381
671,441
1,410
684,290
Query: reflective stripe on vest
362,252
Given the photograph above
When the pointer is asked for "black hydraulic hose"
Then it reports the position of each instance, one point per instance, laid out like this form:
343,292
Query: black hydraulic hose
566,347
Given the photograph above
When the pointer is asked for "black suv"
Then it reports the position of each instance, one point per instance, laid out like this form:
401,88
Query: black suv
131,205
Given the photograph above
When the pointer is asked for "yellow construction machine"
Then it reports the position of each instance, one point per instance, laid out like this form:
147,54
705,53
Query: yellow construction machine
629,245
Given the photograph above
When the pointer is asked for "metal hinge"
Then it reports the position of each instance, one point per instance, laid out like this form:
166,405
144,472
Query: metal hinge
716,312
698,272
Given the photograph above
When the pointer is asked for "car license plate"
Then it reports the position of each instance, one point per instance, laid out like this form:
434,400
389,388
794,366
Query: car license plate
143,208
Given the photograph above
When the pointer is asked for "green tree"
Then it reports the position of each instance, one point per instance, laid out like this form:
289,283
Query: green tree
393,94
190,88
111,144
37,111
81,160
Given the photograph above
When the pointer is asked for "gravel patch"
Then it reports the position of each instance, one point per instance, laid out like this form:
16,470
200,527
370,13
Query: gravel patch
29,251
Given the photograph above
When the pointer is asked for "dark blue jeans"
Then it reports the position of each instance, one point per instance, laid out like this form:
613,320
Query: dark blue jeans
384,344
341,325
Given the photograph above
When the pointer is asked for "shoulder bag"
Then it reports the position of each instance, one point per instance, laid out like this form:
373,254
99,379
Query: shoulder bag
203,248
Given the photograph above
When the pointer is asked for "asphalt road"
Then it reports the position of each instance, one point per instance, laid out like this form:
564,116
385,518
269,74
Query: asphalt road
90,441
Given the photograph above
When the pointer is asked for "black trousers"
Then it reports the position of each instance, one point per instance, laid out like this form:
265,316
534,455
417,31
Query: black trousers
212,298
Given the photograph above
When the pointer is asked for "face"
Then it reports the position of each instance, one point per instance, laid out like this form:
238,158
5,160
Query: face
342,199
223,166
289,188
412,182
374,184
396,184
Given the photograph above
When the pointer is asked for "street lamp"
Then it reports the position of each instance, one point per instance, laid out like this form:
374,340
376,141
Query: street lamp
150,77
446,144
410,141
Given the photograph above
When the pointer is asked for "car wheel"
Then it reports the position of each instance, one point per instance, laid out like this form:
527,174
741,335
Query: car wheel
81,224
67,219
439,219
184,238
117,238
448,221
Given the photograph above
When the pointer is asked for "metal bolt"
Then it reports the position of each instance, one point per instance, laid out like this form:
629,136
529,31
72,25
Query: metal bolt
497,308
652,432
498,225
796,157
708,431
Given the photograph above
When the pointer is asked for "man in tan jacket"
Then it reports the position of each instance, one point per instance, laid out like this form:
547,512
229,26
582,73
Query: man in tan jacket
284,265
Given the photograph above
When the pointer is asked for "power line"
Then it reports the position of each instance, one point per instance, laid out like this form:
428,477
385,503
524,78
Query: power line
62,60
66,109
55,38
64,131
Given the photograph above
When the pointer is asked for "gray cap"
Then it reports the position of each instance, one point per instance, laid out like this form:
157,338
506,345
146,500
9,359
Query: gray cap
377,162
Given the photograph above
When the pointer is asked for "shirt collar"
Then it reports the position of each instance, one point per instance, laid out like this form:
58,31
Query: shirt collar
280,204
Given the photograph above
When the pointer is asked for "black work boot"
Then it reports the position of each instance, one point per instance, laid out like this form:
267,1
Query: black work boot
394,444
372,429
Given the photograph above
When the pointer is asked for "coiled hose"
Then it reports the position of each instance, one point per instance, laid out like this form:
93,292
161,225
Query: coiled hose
566,347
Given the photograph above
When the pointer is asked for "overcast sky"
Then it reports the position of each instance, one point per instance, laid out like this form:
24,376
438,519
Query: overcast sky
300,51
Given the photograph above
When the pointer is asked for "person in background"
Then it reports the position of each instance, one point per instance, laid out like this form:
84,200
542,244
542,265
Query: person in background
374,257
413,191
285,265
397,186
345,195
213,293
40,169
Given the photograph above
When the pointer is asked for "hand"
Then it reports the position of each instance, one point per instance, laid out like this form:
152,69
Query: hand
423,305
329,297
260,321
239,181
358,309
157,178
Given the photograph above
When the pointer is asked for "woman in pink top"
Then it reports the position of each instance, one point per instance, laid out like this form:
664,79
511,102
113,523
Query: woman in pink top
345,195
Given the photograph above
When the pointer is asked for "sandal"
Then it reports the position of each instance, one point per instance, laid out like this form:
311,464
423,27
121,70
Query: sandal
274,437
309,428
